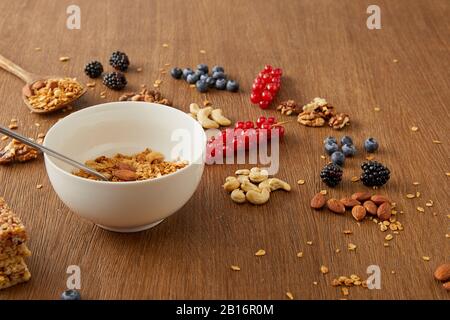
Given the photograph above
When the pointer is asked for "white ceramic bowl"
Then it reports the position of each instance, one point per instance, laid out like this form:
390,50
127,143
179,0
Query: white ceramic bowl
126,127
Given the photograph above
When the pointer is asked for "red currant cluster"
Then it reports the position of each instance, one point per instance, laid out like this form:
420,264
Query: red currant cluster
266,85
244,136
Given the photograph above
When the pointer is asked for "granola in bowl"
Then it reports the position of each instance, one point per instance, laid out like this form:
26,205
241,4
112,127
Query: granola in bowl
145,165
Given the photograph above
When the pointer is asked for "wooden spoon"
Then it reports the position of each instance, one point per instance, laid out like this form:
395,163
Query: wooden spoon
30,78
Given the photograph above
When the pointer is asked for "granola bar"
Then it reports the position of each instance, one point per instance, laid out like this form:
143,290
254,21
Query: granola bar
13,249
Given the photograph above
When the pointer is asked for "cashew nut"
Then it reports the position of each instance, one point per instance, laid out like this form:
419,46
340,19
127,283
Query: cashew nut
218,117
258,197
205,121
247,186
241,178
238,196
258,175
244,172
231,184
275,184
154,156
264,184
194,108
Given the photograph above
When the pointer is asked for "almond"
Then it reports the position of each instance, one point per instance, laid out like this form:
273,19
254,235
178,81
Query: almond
379,199
318,201
53,84
26,91
358,212
446,286
349,202
442,272
361,196
38,85
125,175
125,166
384,211
335,206
370,207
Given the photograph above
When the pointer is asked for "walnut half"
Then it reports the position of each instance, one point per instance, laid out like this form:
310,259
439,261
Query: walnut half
16,151
339,121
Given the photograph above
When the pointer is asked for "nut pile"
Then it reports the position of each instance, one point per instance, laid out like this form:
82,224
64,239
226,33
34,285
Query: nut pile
253,185
145,165
347,282
16,151
208,117
51,93
318,112
146,96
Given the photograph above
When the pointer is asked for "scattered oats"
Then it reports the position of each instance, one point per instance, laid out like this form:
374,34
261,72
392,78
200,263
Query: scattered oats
417,194
376,109
386,223
90,84
389,237
393,227
323,157
447,235
290,295
158,81
351,247
139,69
260,253
300,254
315,283
345,291
192,85
165,45
355,179
348,231
426,258
235,268
448,216
202,51
39,186
395,232
162,69
393,272
429,203
420,209
386,244
357,283
41,135
323,192
395,61
163,72
309,243
166,64
437,141
103,93
410,196
414,128
337,250
324,269
370,157
13,126
416,183
37,49
383,227
434,214
301,181
447,174
4,138
64,59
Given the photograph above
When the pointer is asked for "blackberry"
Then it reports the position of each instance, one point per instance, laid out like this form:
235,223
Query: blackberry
374,174
331,174
114,80
119,61
93,69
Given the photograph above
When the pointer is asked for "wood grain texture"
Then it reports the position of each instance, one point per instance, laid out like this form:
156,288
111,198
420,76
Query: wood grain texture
325,50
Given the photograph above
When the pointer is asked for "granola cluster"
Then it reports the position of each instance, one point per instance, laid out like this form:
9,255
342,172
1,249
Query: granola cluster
147,96
289,107
13,249
16,151
52,93
318,112
145,165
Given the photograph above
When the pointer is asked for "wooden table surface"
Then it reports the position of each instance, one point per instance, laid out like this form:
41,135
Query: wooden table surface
325,50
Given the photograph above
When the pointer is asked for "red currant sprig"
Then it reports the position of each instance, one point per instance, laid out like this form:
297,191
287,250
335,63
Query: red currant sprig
266,86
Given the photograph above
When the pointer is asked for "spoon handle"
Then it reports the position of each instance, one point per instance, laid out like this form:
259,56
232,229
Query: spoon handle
52,153
10,66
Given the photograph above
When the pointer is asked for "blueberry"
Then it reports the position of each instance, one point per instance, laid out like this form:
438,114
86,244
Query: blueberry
329,139
211,82
219,75
349,150
232,86
217,69
221,84
192,78
187,72
70,295
201,85
199,73
338,158
331,147
371,145
203,67
204,76
346,140
176,73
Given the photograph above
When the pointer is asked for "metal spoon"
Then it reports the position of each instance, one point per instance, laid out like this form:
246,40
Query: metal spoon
31,78
52,153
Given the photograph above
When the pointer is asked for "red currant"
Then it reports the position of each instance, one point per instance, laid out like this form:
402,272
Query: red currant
266,78
277,72
276,80
268,68
239,125
260,121
249,125
257,87
272,87
255,97
263,104
271,120
266,96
